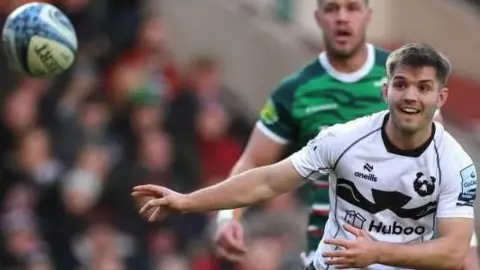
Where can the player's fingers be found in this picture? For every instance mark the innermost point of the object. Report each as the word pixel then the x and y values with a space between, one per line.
pixel 156 215
pixel 157 190
pixel 234 257
pixel 158 202
pixel 229 255
pixel 148 213
pixel 142 194
pixel 152 204
pixel 237 248
pixel 338 242
pixel 355 231
pixel 345 266
pixel 238 234
pixel 339 261
pixel 221 252
pixel 234 241
pixel 145 208
pixel 336 253
pixel 230 245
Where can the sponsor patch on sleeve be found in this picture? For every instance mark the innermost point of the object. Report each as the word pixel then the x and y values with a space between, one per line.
pixel 269 113
pixel 469 186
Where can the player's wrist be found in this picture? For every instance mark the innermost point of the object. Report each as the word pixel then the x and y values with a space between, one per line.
pixel 186 205
pixel 377 252
pixel 225 215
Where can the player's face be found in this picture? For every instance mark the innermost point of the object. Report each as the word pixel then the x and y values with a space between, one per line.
pixel 344 24
pixel 413 94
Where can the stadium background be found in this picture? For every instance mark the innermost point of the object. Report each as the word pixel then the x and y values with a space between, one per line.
pixel 165 92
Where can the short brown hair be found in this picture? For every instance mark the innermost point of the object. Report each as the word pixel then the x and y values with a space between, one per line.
pixel 366 2
pixel 419 55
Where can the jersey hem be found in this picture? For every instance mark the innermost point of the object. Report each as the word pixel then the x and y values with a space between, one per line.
pixel 270 134
pixel 456 216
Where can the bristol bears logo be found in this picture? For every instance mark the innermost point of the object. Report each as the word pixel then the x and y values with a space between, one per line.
pixel 423 186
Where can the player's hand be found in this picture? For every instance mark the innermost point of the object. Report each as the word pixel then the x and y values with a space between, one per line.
pixel 162 202
pixel 229 240
pixel 358 253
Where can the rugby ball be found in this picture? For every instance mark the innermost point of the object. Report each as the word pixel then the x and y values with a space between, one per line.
pixel 39 40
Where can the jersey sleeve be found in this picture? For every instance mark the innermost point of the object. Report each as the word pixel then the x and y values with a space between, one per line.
pixel 458 187
pixel 316 159
pixel 276 120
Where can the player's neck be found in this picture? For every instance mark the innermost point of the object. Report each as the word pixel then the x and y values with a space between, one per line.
pixel 407 141
pixel 350 64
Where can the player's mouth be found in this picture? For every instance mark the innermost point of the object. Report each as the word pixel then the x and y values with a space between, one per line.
pixel 409 110
pixel 342 35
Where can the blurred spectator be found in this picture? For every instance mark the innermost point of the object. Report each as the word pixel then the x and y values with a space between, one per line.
pixel 145 71
pixel 103 247
pixel 83 185
pixel 217 149
pixel 205 120
pixel 279 222
pixel 19 115
pixel 204 87
pixel 35 159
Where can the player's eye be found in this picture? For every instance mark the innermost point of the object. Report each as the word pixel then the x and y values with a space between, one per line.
pixel 354 7
pixel 400 85
pixel 425 88
pixel 330 8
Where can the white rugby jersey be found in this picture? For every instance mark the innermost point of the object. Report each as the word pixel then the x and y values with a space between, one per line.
pixel 392 194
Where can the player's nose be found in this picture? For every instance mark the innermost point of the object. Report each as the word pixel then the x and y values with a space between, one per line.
pixel 342 16
pixel 410 94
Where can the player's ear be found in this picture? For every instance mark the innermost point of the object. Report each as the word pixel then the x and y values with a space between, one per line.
pixel 317 16
pixel 369 15
pixel 442 97
pixel 385 91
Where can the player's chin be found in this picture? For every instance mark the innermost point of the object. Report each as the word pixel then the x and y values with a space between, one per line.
pixel 342 49
pixel 409 128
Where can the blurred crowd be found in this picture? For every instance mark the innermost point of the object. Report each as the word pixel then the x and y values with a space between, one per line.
pixel 127 113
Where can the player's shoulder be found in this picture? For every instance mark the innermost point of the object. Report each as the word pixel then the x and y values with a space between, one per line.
pixel 303 75
pixel 354 130
pixel 381 56
pixel 450 151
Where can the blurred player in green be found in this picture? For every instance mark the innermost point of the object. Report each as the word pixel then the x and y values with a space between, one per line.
pixel 341 84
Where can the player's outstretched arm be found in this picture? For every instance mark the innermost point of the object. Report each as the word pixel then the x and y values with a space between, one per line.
pixel 446 252
pixel 261 150
pixel 245 189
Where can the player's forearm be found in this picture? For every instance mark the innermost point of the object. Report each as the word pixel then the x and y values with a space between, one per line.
pixel 238 191
pixel 435 254
pixel 243 165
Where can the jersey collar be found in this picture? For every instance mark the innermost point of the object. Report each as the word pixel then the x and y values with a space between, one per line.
pixel 349 77
pixel 402 152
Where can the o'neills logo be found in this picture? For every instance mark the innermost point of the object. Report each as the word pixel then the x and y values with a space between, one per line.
pixel 370 176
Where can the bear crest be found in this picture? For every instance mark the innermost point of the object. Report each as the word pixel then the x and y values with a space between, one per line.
pixel 423 186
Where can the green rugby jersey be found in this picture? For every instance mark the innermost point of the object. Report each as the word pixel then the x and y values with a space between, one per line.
pixel 315 97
